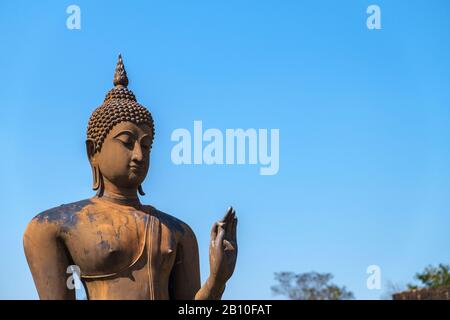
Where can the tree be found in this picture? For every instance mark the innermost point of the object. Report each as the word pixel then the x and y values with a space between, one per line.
pixel 309 286
pixel 432 277
pixel 392 288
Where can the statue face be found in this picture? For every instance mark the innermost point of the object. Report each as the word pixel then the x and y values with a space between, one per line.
pixel 125 154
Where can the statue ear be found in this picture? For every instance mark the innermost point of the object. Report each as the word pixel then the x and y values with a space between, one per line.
pixel 90 149
pixel 96 174
pixel 140 190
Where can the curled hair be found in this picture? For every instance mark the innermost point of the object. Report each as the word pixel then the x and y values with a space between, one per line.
pixel 120 105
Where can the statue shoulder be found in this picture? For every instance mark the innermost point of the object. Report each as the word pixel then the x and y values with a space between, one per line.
pixel 64 214
pixel 47 226
pixel 176 225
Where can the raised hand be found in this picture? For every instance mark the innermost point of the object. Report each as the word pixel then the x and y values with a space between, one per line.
pixel 223 248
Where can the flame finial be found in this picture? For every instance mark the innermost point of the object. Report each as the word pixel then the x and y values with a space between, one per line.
pixel 120 75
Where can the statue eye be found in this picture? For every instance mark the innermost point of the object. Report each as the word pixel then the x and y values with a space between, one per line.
pixel 126 140
pixel 145 143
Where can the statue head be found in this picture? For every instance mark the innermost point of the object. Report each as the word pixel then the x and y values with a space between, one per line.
pixel 119 139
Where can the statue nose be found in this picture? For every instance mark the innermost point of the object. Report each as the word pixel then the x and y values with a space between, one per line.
pixel 137 153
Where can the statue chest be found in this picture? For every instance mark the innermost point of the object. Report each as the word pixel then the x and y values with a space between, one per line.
pixel 107 244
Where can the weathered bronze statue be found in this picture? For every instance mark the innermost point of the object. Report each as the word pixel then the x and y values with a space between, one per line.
pixel 124 249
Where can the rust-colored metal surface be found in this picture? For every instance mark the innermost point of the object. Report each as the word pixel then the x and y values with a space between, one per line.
pixel 124 249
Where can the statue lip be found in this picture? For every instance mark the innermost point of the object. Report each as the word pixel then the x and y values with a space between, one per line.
pixel 136 166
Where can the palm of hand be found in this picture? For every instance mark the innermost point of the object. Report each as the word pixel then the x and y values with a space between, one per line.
pixel 223 247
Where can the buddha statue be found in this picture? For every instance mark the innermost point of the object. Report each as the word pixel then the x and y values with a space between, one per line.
pixel 123 248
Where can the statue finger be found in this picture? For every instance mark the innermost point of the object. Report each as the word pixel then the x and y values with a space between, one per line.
pixel 232 219
pixel 221 234
pixel 229 227
pixel 214 232
pixel 229 224
pixel 227 245
pixel 232 215
pixel 233 232
pixel 227 214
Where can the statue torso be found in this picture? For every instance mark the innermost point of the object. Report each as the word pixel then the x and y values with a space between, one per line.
pixel 122 252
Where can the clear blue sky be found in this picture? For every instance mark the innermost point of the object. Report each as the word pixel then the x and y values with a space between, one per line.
pixel 363 115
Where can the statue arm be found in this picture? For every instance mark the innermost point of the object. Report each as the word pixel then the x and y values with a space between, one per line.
pixel 185 276
pixel 48 260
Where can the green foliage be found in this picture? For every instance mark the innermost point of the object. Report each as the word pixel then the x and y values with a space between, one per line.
pixel 432 277
pixel 309 286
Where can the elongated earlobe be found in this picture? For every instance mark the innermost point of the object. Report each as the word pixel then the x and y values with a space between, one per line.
pixel 96 173
pixel 141 191
pixel 98 180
